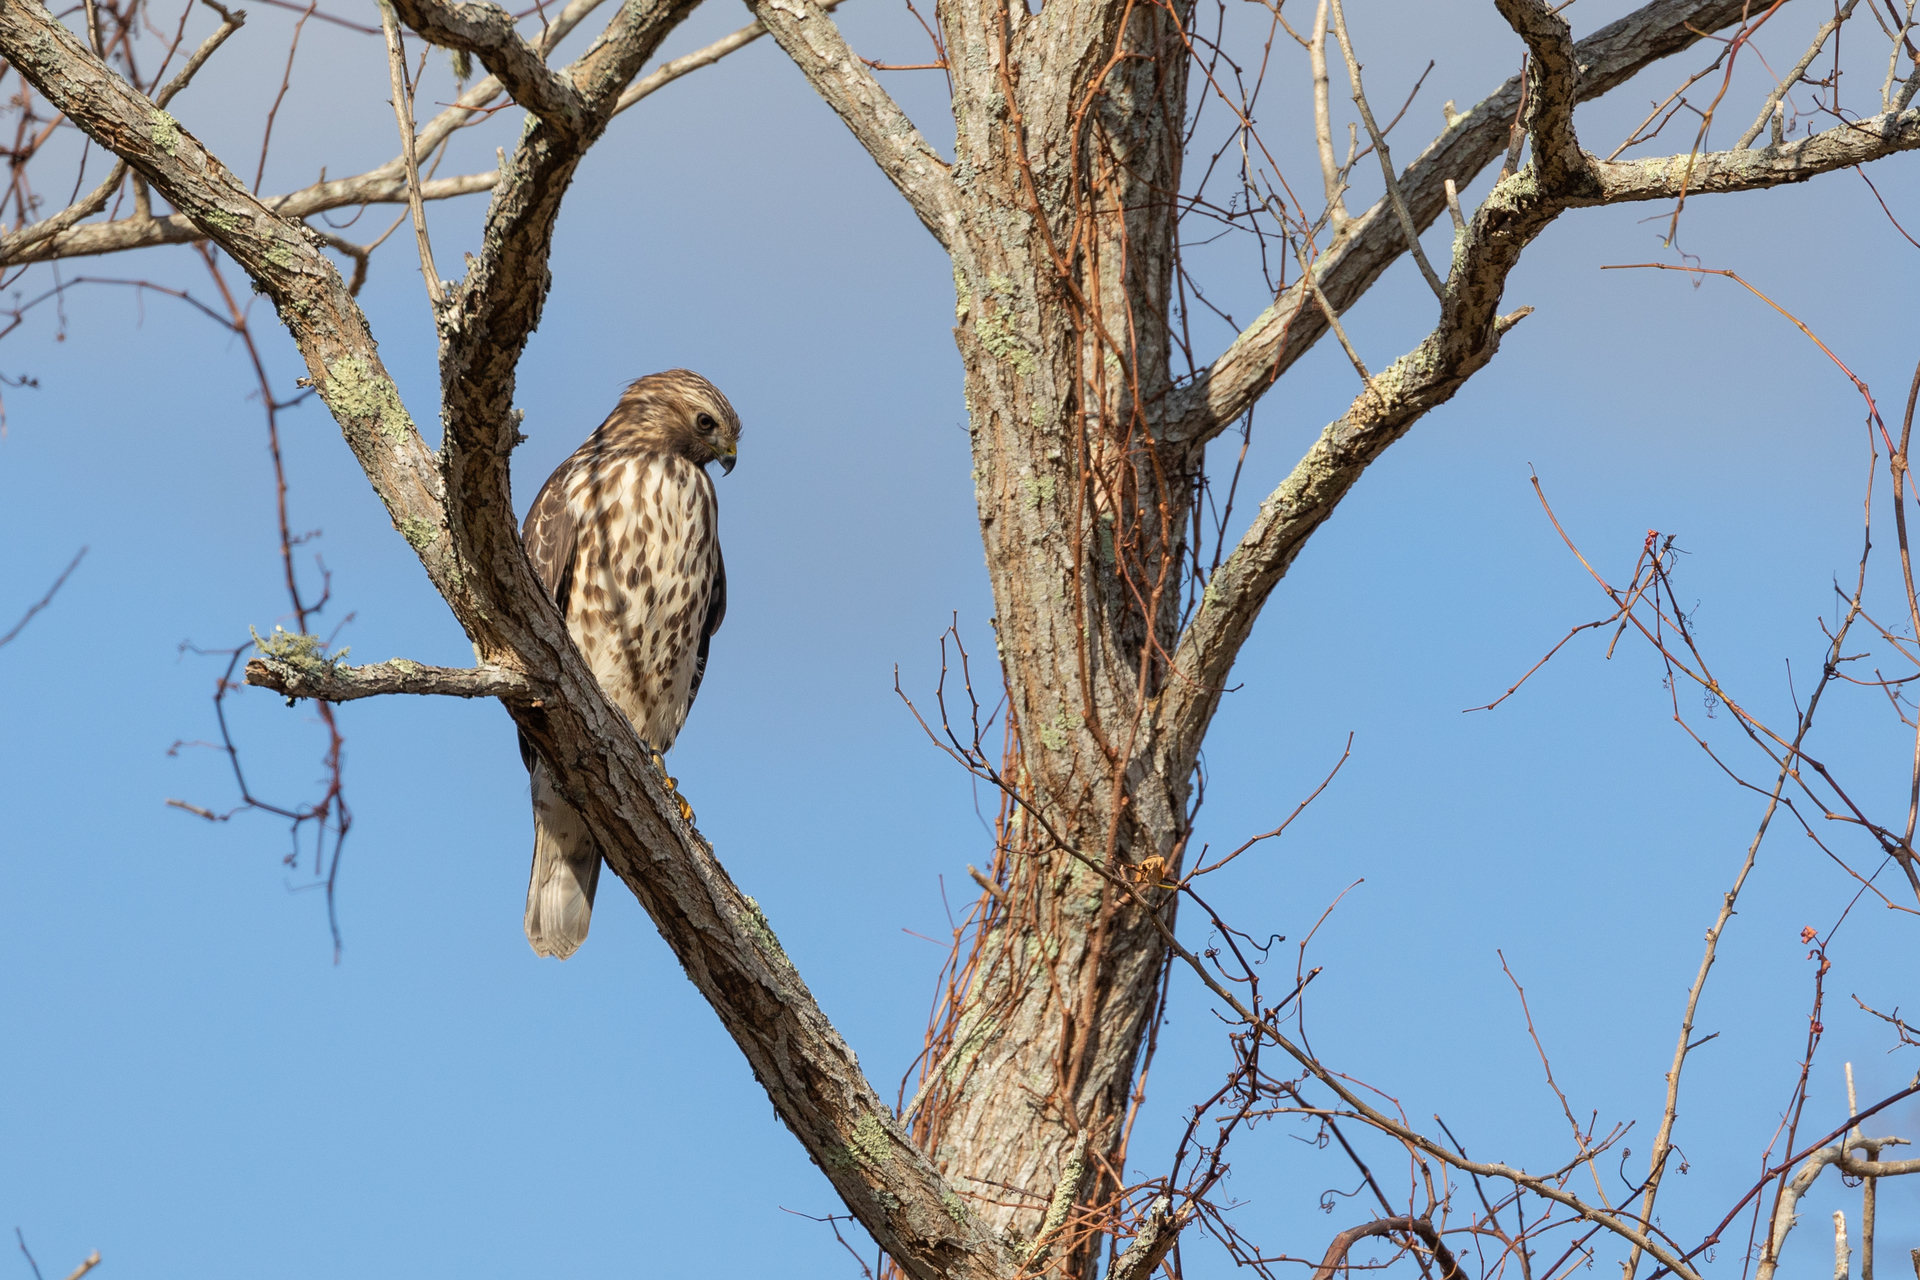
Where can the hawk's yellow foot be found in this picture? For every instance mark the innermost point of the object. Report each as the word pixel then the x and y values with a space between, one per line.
pixel 673 786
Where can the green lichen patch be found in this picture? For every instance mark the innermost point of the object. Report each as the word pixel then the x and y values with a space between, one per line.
pixel 1053 734
pixel 420 533
pixel 1039 491
pixel 354 389
pixel 972 1034
pixel 955 1208
pixel 166 131
pixel 305 653
pixel 403 666
pixel 997 333
pixel 1065 1192
pixel 754 921
pixel 870 1144
pixel 221 220
pixel 962 295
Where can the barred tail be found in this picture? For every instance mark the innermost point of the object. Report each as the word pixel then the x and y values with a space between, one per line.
pixel 566 870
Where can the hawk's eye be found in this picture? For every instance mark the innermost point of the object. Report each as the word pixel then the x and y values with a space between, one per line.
pixel 706 423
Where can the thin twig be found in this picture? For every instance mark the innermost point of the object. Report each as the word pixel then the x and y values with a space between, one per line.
pixel 44 600
pixel 403 113
pixel 1386 158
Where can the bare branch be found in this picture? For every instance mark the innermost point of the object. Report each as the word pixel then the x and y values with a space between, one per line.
pixel 1854 143
pixel 12 247
pixel 1796 1187
pixel 1330 177
pixel 1466 338
pixel 667 73
pixel 1386 157
pixel 1150 1243
pixel 810 38
pixel 403 115
pixel 231 20
pixel 44 600
pixel 1422 1227
pixel 144 232
pixel 337 682
pixel 1268 347
pixel 1792 77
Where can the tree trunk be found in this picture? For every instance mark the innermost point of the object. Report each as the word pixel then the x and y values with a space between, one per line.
pixel 1067 165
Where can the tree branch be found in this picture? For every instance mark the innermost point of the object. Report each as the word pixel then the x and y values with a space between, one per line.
pixel 1379 139
pixel 141 233
pixel 337 682
pixel 1553 71
pixel 665 74
pixel 1422 1227
pixel 1466 338
pixel 14 246
pixel 1720 172
pixel 487 32
pixel 403 117
pixel 1285 331
pixel 803 29
pixel 1797 1186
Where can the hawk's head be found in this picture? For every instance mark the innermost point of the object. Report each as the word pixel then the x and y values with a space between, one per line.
pixel 680 412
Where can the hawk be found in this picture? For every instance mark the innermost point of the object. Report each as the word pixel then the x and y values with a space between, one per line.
pixel 625 536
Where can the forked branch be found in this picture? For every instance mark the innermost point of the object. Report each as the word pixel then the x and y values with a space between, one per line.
pixel 487 32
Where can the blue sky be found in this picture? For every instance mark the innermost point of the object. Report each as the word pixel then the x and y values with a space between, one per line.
pixel 195 1088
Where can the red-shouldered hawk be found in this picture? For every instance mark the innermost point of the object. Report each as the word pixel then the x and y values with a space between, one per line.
pixel 626 536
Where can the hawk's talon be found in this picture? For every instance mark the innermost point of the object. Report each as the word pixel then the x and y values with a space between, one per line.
pixel 673 787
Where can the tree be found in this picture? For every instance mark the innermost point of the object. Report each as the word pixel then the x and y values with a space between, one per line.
pixel 1118 621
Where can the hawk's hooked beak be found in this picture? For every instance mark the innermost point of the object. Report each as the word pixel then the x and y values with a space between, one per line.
pixel 726 461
